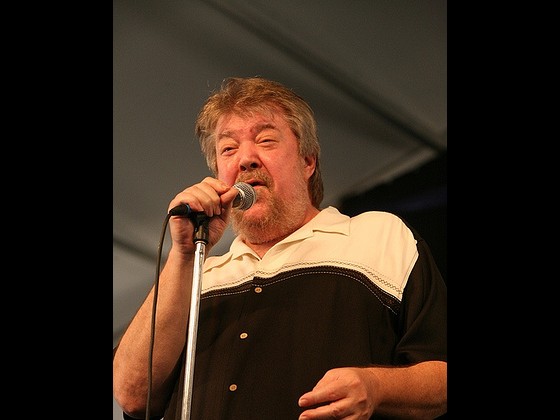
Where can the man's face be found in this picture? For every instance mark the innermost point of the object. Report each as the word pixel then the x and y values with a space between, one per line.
pixel 262 150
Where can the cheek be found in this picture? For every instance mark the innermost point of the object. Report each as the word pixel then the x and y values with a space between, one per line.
pixel 227 172
pixel 289 165
pixel 302 169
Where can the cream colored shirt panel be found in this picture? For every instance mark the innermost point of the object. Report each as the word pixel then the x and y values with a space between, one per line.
pixel 376 244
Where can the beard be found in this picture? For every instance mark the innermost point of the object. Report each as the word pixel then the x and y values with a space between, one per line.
pixel 276 218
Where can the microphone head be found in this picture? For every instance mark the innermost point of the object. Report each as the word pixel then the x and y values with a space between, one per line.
pixel 246 197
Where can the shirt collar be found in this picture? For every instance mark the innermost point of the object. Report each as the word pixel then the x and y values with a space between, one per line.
pixel 328 220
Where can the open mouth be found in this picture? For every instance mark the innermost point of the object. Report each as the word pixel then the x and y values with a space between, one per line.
pixel 255 183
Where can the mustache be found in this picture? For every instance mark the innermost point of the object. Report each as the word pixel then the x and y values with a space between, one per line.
pixel 255 177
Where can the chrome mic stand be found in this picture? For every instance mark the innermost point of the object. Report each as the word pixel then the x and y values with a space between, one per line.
pixel 201 240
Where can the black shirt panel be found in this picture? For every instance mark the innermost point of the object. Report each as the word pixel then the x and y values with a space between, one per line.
pixel 298 325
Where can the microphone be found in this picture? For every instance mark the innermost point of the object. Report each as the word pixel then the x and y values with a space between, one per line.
pixel 244 199
pixel 246 196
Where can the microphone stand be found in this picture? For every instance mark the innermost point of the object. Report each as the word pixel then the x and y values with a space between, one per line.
pixel 201 240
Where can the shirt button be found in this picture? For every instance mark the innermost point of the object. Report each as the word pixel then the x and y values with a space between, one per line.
pixel 243 335
pixel 233 387
pixel 258 289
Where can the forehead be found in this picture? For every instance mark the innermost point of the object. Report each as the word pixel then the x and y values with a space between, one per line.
pixel 254 122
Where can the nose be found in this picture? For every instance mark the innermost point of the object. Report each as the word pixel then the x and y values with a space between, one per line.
pixel 249 159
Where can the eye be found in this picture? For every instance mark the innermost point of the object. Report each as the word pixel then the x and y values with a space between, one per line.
pixel 226 150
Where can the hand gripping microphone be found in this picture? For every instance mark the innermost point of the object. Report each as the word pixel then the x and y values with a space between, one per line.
pixel 245 198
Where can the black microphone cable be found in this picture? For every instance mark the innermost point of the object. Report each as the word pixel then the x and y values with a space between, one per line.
pixel 153 321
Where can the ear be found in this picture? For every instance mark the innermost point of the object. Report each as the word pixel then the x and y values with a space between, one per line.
pixel 310 164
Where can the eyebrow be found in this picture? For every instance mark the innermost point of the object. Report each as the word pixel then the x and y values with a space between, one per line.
pixel 256 129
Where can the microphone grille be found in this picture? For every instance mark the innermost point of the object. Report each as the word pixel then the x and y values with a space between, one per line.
pixel 246 197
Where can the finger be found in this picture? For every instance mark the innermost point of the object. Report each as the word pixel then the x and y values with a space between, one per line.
pixel 197 200
pixel 324 392
pixel 202 197
pixel 228 197
pixel 335 410
pixel 315 398
pixel 224 193
pixel 208 198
